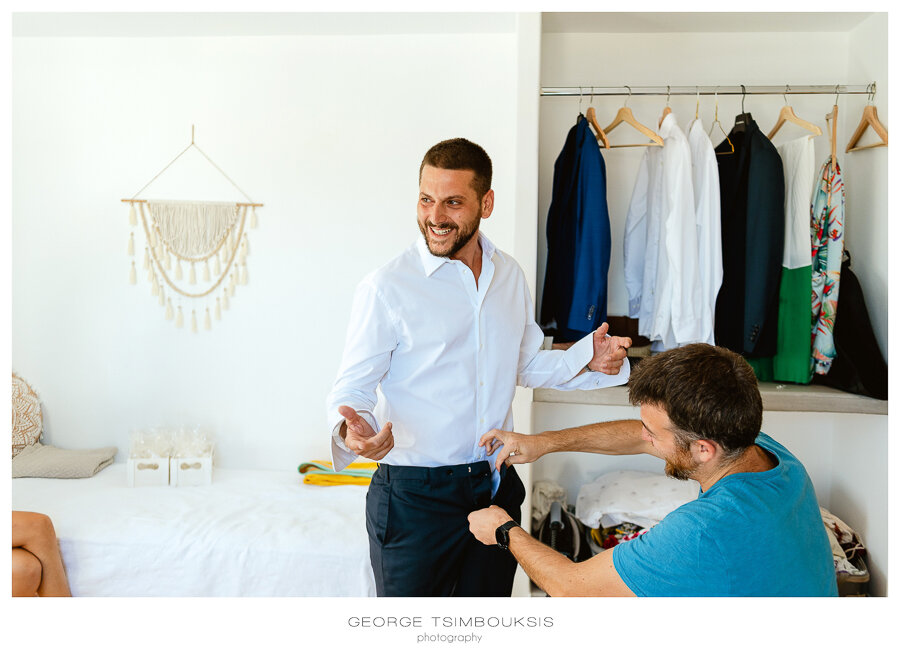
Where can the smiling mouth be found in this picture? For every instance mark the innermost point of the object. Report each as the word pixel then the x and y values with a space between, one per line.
pixel 439 232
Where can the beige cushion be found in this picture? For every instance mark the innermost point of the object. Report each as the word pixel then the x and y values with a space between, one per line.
pixel 27 421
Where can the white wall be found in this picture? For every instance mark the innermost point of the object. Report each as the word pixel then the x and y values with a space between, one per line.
pixel 326 131
pixel 866 179
pixel 844 454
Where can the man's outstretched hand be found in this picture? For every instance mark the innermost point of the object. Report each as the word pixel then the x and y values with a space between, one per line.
pixel 609 352
pixel 517 448
pixel 361 438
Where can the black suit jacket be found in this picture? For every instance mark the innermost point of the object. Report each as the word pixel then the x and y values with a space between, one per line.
pixel 751 185
pixel 858 366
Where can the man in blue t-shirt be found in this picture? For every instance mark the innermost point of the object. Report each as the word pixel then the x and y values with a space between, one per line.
pixel 755 529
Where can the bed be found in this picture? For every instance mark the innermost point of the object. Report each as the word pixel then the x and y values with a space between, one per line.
pixel 249 533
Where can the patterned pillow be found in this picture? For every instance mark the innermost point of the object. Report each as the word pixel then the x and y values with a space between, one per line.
pixel 27 421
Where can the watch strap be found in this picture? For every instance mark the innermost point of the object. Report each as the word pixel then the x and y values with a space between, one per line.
pixel 502 534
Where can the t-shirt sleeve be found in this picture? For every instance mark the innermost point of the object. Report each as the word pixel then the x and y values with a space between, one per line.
pixel 673 558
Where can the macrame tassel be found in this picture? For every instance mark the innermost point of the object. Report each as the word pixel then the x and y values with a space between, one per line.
pixel 232 284
pixel 178 273
pixel 162 296
pixel 132 275
pixel 193 321
pixel 207 322
pixel 132 215
pixel 206 270
pixel 253 220
pixel 179 319
pixel 159 250
pixel 153 241
pixel 246 245
pixel 169 312
pixel 243 275
pixel 167 261
pixel 131 244
pixel 155 290
pixel 193 279
pixel 146 258
pixel 218 308
pixel 217 268
pixel 225 303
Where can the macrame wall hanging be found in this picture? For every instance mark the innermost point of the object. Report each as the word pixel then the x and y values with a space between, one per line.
pixel 195 252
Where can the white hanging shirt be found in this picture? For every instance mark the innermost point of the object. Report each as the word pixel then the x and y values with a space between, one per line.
pixel 447 356
pixel 661 270
pixel 705 175
pixel 799 162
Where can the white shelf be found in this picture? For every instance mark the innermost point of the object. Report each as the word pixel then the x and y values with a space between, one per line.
pixel 776 397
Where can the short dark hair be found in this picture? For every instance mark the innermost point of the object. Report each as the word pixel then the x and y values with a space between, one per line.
pixel 707 391
pixel 461 154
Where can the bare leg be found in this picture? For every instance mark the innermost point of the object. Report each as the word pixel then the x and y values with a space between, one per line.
pixel 26 574
pixel 33 533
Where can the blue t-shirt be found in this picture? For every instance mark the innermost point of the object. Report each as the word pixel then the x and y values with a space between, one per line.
pixel 750 534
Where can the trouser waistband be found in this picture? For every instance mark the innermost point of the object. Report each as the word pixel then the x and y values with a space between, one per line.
pixel 430 473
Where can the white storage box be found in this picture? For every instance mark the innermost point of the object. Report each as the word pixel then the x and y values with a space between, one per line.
pixel 147 471
pixel 190 471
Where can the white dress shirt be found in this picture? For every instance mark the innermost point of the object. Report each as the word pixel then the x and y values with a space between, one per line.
pixel 799 162
pixel 709 225
pixel 446 356
pixel 661 270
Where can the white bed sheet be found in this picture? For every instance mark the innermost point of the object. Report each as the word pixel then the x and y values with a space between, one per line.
pixel 249 533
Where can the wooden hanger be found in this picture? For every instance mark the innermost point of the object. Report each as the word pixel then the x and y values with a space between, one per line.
pixel 592 120
pixel 832 117
pixel 625 115
pixel 787 115
pixel 716 122
pixel 832 134
pixel 869 119
pixel 666 111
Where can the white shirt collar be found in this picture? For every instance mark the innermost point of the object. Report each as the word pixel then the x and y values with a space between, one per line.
pixel 668 124
pixel 430 262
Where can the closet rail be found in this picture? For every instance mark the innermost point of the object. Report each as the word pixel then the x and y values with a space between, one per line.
pixel 782 89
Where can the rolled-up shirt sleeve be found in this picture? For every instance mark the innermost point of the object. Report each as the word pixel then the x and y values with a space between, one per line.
pixel 371 338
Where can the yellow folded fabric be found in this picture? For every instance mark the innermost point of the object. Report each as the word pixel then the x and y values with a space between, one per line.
pixel 322 473
pixel 332 479
pixel 325 465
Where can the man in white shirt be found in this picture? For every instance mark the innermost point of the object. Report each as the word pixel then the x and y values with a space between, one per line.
pixel 446 330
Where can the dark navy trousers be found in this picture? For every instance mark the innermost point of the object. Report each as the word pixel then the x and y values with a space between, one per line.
pixel 419 539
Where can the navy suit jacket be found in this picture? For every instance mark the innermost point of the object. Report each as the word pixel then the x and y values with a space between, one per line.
pixel 578 238
pixel 751 188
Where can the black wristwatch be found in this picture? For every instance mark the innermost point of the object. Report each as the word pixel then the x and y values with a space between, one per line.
pixel 502 534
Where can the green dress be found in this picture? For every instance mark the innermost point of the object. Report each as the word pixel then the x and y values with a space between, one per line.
pixel 791 362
